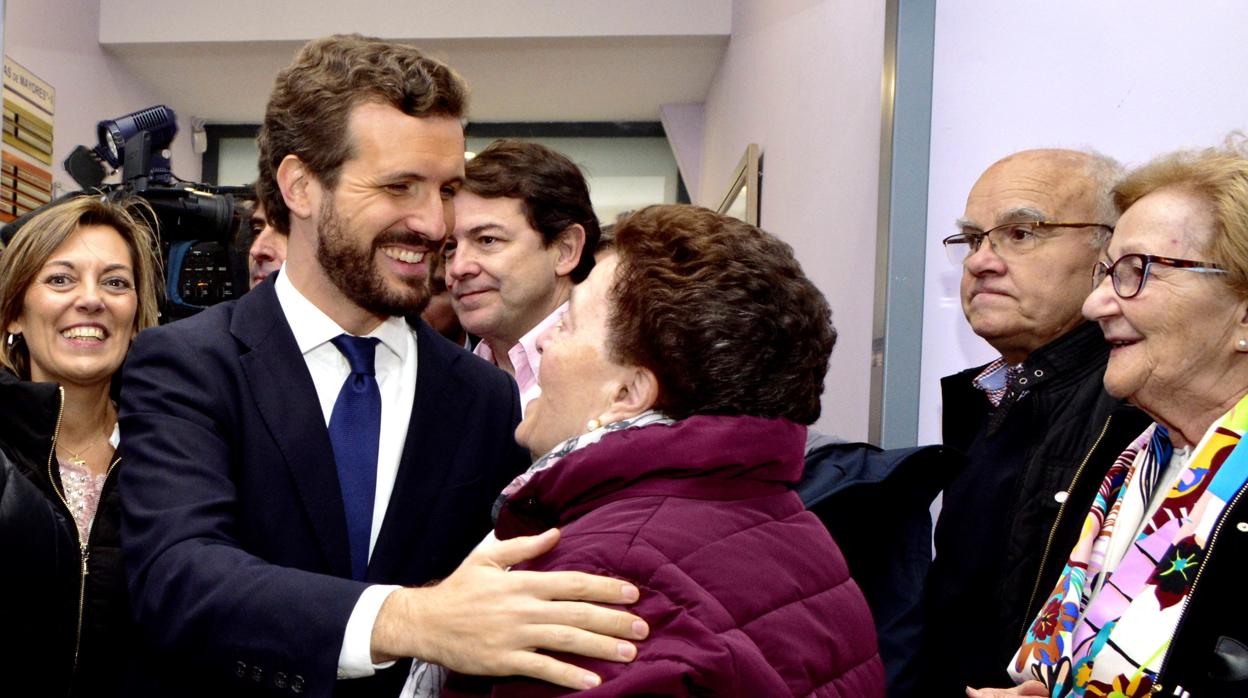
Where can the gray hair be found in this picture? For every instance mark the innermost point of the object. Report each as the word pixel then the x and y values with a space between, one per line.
pixel 1104 172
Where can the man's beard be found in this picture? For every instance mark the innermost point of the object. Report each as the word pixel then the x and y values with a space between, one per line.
pixel 353 269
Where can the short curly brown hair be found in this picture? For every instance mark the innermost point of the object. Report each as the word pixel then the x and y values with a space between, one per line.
pixel 722 314
pixel 313 97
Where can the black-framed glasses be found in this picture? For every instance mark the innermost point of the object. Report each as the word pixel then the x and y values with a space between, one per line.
pixel 1008 240
pixel 1130 271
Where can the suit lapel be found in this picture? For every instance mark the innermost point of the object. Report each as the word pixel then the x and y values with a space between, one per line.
pixel 286 399
pixel 428 453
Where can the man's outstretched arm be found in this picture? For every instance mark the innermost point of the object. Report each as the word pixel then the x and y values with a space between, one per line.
pixel 484 620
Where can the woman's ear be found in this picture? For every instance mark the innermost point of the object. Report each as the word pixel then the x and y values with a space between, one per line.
pixel 294 180
pixel 569 243
pixel 638 392
pixel 1241 343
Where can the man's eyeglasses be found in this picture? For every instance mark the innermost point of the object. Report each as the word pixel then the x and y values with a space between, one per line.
pixel 1130 271
pixel 1008 240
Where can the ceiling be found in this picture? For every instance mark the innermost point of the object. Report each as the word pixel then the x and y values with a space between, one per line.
pixel 511 79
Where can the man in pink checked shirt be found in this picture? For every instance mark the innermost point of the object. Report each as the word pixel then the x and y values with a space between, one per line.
pixel 525 233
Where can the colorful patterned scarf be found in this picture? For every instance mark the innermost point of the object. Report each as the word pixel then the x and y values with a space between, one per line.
pixel 1106 628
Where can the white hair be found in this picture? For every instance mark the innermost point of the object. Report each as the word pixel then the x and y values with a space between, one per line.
pixel 1104 172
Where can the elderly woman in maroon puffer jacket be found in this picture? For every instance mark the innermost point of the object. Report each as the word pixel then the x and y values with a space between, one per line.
pixel 674 394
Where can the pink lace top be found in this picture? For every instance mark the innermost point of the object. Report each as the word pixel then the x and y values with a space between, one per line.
pixel 82 492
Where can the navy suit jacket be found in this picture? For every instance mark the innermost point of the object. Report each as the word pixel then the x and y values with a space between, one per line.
pixel 234 535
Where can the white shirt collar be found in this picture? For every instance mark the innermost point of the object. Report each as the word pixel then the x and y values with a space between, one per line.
pixel 312 327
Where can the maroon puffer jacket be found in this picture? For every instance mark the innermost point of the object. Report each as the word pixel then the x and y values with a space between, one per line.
pixel 744 591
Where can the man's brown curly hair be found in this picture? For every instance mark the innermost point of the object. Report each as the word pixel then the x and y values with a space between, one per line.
pixel 313 97
pixel 722 314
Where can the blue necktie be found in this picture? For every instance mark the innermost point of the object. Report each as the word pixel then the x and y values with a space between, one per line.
pixel 354 430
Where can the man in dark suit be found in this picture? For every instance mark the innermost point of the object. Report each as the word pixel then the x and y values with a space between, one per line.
pixel 296 461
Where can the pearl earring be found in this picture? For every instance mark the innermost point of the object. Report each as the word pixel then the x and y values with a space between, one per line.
pixel 593 425
pixel 13 338
pixel 1242 345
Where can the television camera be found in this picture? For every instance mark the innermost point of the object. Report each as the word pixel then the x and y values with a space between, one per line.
pixel 195 223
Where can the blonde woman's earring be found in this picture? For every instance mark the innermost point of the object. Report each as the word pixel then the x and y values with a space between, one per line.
pixel 593 425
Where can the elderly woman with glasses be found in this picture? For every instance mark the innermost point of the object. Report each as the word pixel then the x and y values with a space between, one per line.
pixel 1150 601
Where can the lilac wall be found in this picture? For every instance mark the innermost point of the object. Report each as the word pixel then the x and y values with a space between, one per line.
pixel 683 124
pixel 58 40
pixel 802 79
pixel 1132 79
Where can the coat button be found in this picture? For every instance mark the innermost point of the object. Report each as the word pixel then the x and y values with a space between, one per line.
pixel 240 669
pixel 1242 526
pixel 296 684
pixel 1061 497
pixel 279 679
pixel 257 674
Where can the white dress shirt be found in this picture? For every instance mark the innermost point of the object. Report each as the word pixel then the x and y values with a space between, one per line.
pixel 395 365
pixel 526 360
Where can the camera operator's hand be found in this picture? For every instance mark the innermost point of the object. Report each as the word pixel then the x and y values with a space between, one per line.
pixel 484 620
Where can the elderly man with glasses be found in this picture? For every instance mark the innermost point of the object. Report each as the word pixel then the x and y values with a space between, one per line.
pixel 1036 424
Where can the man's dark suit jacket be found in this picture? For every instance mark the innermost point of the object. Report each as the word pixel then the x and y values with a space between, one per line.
pixel 234 535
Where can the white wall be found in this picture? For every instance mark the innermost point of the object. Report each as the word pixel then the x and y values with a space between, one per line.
pixel 683 124
pixel 802 79
pixel 1131 78
pixel 624 174
pixel 58 40
pixel 134 21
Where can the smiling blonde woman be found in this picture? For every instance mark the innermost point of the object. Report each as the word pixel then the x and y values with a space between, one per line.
pixel 77 283
pixel 1151 599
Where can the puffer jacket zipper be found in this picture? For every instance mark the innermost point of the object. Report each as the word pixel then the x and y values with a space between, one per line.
pixel 84 551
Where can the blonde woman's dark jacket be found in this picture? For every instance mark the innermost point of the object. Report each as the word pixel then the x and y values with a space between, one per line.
pixel 66 620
